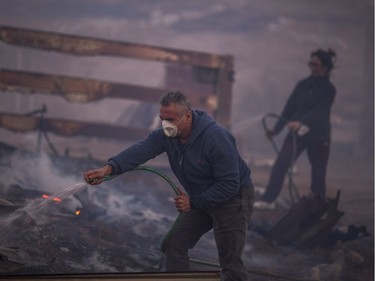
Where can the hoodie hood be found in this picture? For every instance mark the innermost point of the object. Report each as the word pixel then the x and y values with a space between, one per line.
pixel 201 121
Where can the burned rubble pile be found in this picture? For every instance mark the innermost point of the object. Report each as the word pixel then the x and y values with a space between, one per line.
pixel 119 225
pixel 306 242
pixel 311 222
pixel 116 228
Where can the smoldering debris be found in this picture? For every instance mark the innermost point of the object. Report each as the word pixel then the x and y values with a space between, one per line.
pixel 121 223
pixel 66 241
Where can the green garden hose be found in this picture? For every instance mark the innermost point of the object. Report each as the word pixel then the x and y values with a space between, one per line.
pixel 293 192
pixel 152 170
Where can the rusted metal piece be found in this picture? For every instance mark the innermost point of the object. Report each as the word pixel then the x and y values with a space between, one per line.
pixel 22 123
pixel 80 90
pixel 87 46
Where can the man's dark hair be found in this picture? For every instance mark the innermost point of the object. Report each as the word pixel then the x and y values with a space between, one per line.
pixel 176 98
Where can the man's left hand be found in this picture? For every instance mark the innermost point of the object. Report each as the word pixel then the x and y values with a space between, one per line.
pixel 182 202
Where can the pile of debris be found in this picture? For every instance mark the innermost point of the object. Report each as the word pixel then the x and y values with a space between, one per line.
pixel 119 228
pixel 306 235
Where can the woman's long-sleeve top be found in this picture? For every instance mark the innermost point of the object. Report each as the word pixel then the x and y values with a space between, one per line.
pixel 310 103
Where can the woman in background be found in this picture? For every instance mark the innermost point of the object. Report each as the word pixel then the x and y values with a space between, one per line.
pixel 307 116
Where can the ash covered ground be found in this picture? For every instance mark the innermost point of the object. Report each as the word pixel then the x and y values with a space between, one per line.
pixel 123 221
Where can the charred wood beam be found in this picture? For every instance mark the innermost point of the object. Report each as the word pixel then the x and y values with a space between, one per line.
pixel 221 65
pixel 308 223
pixel 75 89
pixel 223 90
pixel 68 128
pixel 87 46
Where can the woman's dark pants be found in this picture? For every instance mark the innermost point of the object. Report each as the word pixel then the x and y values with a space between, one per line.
pixel 318 154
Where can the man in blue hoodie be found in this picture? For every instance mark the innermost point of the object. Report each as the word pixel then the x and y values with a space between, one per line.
pixel 218 191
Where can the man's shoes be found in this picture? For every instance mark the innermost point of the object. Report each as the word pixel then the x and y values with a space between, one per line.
pixel 263 205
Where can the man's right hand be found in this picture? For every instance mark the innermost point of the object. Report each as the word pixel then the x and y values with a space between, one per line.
pixel 96 176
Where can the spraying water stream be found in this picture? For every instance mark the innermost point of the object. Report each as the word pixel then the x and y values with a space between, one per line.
pixel 33 211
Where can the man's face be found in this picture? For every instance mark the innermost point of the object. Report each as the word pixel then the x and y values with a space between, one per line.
pixel 316 67
pixel 176 115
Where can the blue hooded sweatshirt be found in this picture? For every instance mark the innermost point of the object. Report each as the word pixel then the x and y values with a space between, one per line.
pixel 208 166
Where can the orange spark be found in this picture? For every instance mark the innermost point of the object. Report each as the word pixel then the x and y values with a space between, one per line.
pixel 56 199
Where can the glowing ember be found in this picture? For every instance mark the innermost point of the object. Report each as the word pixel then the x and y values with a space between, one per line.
pixel 56 199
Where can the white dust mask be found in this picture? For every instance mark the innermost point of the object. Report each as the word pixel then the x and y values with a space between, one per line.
pixel 170 130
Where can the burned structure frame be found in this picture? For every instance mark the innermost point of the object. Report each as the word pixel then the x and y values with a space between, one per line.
pixel 214 69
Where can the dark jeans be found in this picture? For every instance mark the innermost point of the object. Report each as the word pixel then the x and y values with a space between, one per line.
pixel 318 154
pixel 229 222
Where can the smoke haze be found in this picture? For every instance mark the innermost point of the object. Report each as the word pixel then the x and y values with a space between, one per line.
pixel 271 42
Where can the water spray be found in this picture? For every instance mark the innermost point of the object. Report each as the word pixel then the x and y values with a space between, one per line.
pixel 33 209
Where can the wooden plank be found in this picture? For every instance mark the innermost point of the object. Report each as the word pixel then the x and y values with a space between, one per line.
pixel 87 46
pixel 81 90
pixel 223 90
pixel 70 128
